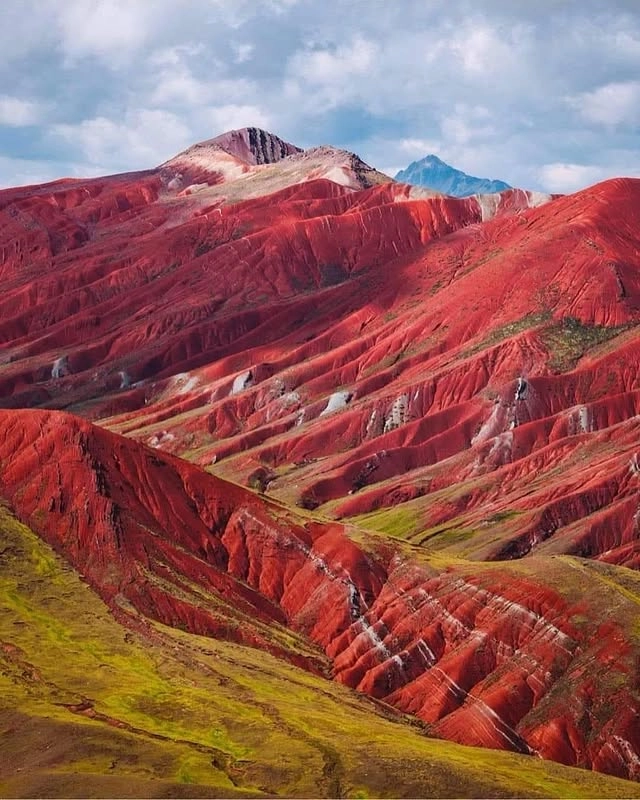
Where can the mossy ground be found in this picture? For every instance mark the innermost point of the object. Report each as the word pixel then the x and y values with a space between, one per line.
pixel 570 339
pixel 511 329
pixel 89 708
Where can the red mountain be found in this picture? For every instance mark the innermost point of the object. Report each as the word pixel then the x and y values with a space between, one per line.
pixel 456 375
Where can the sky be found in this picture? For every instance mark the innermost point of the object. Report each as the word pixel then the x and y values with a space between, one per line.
pixel 544 94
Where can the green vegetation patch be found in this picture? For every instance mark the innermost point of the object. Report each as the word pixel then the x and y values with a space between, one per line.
pixel 402 521
pixel 504 332
pixel 569 340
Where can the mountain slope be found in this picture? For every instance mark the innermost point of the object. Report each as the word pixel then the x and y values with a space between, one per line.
pixel 347 390
pixel 251 162
pixel 490 657
pixel 419 416
pixel 435 174
pixel 91 709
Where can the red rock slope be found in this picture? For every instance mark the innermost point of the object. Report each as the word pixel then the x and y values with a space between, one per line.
pixel 460 375
pixel 512 657
pixel 413 356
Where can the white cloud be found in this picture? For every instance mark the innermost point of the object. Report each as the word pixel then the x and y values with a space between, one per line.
pixel 179 87
pixel 175 56
pixel 333 66
pixel 30 172
pixel 281 6
pixel 148 137
pixel 466 123
pixel 626 45
pixel 229 117
pixel 476 49
pixel 485 49
pixel 522 92
pixel 111 30
pixel 236 13
pixel 143 139
pixel 16 112
pixel 25 172
pixel 243 52
pixel 612 104
pixel 566 178
pixel 325 78
pixel 172 83
pixel 391 171
pixel 418 148
pixel 232 13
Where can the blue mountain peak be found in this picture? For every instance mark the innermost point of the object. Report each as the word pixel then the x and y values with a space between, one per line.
pixel 435 174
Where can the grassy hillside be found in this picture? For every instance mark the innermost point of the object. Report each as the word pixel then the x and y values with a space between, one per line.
pixel 89 708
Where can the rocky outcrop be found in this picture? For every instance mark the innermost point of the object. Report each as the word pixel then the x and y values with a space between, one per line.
pixel 253 146
pixel 227 157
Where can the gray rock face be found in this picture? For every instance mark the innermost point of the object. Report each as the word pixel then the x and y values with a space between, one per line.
pixel 433 173
pixel 254 146
pixel 60 368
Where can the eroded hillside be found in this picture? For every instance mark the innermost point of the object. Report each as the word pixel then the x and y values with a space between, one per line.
pixel 419 416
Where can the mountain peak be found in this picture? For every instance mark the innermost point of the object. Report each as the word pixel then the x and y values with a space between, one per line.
pixel 434 173
pixel 254 145
pixel 250 145
pixel 431 159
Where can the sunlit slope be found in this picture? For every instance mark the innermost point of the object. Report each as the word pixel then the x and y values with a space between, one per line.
pixel 455 361
pixel 538 656
pixel 460 376
pixel 91 709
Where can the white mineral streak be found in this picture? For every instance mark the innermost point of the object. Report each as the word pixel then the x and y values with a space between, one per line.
pixel 336 402
pixel 537 199
pixel 488 205
pixel 242 382
pixel 182 382
pixel 580 421
pixel 490 716
pixel 398 415
pixel 60 368
pixel 491 426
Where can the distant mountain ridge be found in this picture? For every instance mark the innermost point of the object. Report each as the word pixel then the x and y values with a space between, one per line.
pixel 434 173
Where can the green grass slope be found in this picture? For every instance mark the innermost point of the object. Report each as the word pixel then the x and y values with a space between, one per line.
pixel 89 708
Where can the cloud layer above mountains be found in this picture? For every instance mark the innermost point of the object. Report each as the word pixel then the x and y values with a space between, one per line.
pixel 543 95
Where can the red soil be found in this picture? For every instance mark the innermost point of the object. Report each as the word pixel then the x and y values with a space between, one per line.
pixel 492 658
pixel 359 346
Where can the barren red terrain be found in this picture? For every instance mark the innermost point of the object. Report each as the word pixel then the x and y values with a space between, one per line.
pixel 388 436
